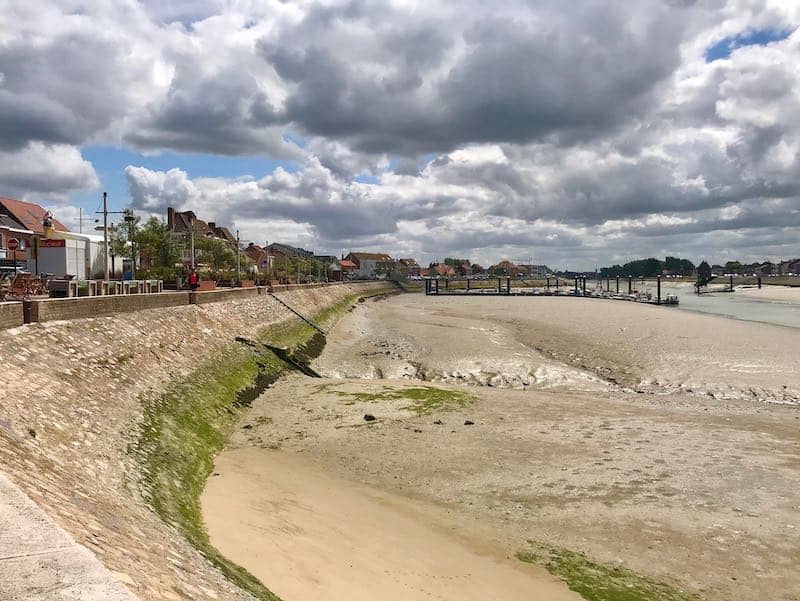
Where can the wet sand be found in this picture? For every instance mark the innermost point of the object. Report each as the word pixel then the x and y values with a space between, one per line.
pixel 665 442
pixel 311 535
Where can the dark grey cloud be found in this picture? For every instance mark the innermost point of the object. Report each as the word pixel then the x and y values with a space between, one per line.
pixel 520 74
pixel 224 112
pixel 62 90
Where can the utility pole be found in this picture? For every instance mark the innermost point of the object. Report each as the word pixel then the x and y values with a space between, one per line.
pixel 105 235
pixel 238 259
pixel 191 237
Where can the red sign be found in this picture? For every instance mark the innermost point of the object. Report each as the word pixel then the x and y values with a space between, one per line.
pixel 50 243
pixel 13 244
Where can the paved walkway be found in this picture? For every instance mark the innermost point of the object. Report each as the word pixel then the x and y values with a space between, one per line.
pixel 40 561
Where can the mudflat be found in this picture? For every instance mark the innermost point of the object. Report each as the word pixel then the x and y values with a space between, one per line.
pixel 663 442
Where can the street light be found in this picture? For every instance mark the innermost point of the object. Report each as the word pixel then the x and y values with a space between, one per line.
pixel 105 212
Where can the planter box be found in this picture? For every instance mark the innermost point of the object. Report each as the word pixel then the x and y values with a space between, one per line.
pixel 247 283
pixel 206 285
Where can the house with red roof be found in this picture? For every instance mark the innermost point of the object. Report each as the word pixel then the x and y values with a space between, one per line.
pixel 23 221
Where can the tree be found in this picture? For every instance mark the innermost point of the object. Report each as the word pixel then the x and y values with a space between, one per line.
pixel 703 273
pixel 679 266
pixel 156 245
pixel 118 246
pixel 648 268
pixel 215 253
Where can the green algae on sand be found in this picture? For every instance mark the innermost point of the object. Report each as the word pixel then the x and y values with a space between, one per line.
pixel 425 400
pixel 598 582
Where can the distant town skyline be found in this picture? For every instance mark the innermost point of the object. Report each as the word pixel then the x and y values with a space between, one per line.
pixel 573 135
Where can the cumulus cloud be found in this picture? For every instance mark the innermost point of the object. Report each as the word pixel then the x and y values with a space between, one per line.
pixel 45 171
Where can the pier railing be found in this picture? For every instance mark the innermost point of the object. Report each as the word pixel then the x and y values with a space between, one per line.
pixel 550 286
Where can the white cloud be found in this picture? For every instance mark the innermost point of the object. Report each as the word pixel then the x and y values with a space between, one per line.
pixel 45 171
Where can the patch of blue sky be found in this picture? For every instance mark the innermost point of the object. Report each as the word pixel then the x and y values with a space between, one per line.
pixel 110 161
pixel 367 179
pixel 296 139
pixel 753 37
pixel 427 158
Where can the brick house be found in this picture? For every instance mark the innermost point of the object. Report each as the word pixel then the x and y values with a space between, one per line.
pixel 260 257
pixel 408 267
pixel 506 268
pixel 181 224
pixel 441 270
pixel 370 265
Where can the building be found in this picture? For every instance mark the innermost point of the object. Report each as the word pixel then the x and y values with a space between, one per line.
pixel 408 268
pixel 23 221
pixel 766 268
pixel 370 265
pixel 537 272
pixel 506 268
pixel 789 267
pixel 74 254
pixel 223 233
pixel 259 256
pixel 182 223
pixel 441 270
pixel 348 269
pixel 30 215
pixel 11 228
pixel 463 270
pixel 288 252
pixel 326 259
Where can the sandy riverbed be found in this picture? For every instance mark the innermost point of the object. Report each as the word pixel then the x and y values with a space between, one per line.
pixel 666 442
pixel 784 294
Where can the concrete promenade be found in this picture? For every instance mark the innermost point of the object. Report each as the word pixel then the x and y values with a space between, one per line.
pixel 40 561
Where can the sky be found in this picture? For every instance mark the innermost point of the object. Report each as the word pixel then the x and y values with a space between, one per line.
pixel 575 134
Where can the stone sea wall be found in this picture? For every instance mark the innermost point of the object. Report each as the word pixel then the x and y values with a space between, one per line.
pixel 72 396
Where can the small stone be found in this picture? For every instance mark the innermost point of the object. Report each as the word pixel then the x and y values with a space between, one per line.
pixel 438 422
pixel 469 423
pixel 368 417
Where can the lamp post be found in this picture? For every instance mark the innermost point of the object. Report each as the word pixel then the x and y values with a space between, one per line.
pixel 238 259
pixel 105 212
pixel 191 238
pixel 105 235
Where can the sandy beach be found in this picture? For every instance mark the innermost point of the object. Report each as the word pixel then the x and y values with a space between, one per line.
pixel 660 441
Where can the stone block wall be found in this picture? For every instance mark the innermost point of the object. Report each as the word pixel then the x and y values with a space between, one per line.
pixel 222 294
pixel 71 395
pixel 11 315
pixel 52 309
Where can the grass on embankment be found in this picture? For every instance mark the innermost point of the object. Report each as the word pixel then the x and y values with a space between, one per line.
pixel 597 582
pixel 184 429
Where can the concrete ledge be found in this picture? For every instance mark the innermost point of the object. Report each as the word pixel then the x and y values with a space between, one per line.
pixel 52 309
pixel 11 315
pixel 221 294
pixel 41 562
pixel 287 287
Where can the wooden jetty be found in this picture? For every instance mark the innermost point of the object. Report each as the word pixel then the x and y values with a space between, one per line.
pixel 442 287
